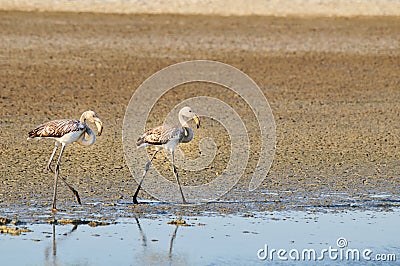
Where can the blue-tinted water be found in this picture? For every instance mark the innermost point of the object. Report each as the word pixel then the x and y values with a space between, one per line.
pixel 215 240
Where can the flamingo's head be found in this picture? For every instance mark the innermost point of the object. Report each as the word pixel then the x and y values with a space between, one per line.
pixel 189 113
pixel 91 116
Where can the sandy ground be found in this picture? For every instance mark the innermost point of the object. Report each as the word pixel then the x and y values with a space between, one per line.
pixel 332 83
pixel 342 8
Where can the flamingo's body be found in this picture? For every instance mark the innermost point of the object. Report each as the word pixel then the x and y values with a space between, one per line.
pixel 64 132
pixel 168 138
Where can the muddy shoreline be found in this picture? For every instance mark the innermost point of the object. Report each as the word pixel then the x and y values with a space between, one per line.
pixel 332 83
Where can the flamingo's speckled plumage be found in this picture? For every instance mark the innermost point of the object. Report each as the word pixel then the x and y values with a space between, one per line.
pixel 168 138
pixel 64 132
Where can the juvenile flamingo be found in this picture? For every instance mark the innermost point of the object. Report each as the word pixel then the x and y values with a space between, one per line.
pixel 64 132
pixel 168 138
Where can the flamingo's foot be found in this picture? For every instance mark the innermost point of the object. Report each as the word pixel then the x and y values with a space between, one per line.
pixel 48 168
pixel 134 200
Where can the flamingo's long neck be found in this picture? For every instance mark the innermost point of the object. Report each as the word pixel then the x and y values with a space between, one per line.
pixel 83 118
pixel 182 120
pixel 188 134
pixel 89 140
pixel 188 131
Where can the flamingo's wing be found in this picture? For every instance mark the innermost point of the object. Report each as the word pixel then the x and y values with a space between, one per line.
pixel 159 135
pixel 56 128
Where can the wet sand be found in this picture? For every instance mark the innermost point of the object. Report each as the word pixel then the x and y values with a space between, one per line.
pixel 332 83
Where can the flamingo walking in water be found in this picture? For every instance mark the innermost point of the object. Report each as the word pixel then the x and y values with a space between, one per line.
pixel 168 138
pixel 64 132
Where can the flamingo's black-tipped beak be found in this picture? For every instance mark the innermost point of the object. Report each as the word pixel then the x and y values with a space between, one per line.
pixel 99 126
pixel 197 120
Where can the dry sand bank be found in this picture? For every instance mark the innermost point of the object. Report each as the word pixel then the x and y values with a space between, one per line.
pixel 347 8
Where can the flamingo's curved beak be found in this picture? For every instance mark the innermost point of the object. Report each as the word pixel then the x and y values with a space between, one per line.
pixel 99 125
pixel 196 119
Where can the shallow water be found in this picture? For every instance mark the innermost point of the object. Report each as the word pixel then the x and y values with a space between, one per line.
pixel 211 240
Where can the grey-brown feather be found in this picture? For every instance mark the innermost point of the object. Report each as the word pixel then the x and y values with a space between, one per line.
pixel 161 135
pixel 56 128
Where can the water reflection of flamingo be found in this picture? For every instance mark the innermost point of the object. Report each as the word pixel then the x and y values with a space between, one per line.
pixel 54 243
pixel 144 239
pixel 171 242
